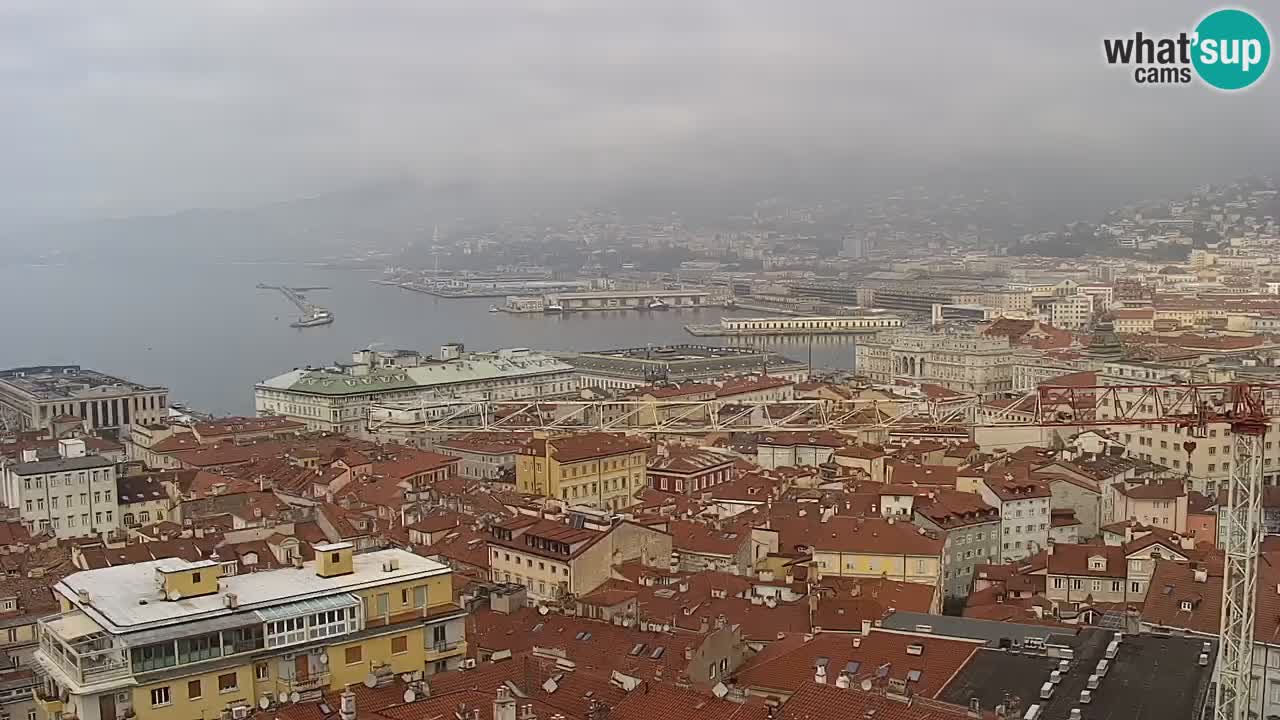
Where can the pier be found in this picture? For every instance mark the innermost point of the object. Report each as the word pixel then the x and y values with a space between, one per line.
pixel 312 315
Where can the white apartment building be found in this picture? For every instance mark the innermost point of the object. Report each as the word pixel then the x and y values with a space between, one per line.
pixel 965 363
pixel 71 496
pixel 1073 312
pixel 338 399
pixel 1024 514
pixel 1103 296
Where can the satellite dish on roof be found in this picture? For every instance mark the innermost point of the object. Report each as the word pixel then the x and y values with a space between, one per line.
pixel 294 697
pixel 410 695
pixel 324 659
pixel 370 680
pixel 264 702
pixel 174 595
pixel 407 677
pixel 866 684
pixel 283 697
pixel 542 610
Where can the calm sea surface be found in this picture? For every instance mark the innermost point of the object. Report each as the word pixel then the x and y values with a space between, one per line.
pixel 208 334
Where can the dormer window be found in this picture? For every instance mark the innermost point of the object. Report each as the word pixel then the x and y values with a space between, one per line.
pixel 1097 563
pixel 1187 606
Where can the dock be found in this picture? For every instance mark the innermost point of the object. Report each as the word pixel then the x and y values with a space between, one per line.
pixel 649 299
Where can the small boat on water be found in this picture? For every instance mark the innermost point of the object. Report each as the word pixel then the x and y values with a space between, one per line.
pixel 494 308
pixel 554 308
pixel 315 318
pixel 656 304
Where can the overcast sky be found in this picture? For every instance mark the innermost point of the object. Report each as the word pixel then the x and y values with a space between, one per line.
pixel 123 107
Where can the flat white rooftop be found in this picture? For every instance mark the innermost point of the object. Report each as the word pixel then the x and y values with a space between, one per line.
pixel 127 598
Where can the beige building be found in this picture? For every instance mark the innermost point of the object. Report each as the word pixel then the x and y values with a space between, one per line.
pixel 553 560
pixel 1134 322
pixel 601 470
pixel 33 398
pixel 877 547
pixel 144 499
pixel 1154 504
pixel 964 363
pixel 1085 575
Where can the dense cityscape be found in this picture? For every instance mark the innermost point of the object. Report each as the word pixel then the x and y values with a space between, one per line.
pixel 664 360
pixel 1016 492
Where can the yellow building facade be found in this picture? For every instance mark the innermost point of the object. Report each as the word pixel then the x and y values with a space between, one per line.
pixel 596 469
pixel 173 639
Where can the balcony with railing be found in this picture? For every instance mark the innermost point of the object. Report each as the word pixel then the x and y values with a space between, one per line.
pixel 79 653
pixel 314 680
pixel 439 650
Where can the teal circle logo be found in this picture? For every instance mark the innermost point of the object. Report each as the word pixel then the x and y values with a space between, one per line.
pixel 1232 49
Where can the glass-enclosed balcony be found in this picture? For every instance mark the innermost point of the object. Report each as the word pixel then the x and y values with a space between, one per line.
pixel 76 649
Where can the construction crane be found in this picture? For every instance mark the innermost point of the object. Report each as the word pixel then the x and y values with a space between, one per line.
pixel 1245 408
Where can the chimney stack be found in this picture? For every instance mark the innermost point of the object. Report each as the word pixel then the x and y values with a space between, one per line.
pixel 347 708
pixel 504 706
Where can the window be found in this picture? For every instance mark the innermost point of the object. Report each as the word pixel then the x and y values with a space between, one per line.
pixel 420 596
pixel 261 671
pixel 228 683
pixel 160 696
pixel 1059 583
pixel 1096 586
pixel 1077 584
pixel 200 647
pixel 399 644
pixel 1115 586
pixel 286 632
pixel 153 657
pixel 353 655
pixel 193 690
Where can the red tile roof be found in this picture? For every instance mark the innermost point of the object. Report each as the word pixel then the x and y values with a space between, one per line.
pixel 862 452
pixel 828 702
pixel 1174 583
pixel 1163 490
pixel 950 509
pixel 743 385
pixel 817 438
pixel 705 539
pixel 686 461
pixel 589 643
pixel 238 425
pixel 668 702
pixel 791 666
pixel 903 473
pixel 878 536
pixel 1072 559
pixel 585 446
pixel 673 390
